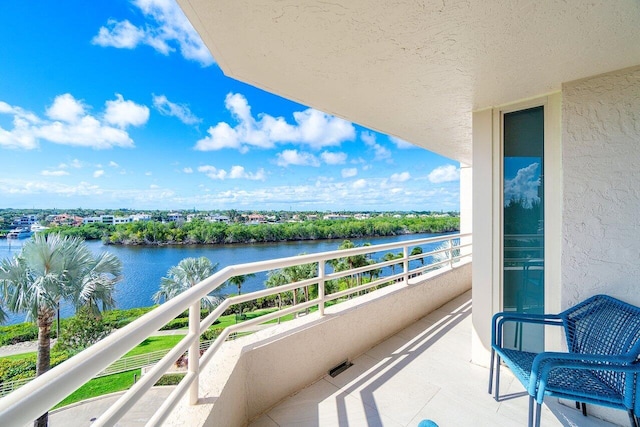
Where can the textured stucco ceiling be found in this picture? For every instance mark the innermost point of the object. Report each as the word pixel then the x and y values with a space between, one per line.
pixel 416 69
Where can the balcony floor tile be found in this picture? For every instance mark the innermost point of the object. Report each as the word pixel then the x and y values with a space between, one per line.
pixel 422 372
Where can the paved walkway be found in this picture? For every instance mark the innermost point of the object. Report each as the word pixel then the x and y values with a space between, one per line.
pixel 84 413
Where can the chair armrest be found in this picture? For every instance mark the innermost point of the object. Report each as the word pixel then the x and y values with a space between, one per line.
pixel 499 319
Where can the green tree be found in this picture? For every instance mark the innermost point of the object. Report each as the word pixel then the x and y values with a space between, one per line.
pixel 417 251
pixel 188 273
pixel 390 256
pixel 350 262
pixel 50 269
pixel 239 280
pixel 295 273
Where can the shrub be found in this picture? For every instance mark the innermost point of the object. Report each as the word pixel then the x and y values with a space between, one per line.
pixel 20 332
pixel 177 323
pixel 211 334
pixel 81 331
pixel 170 379
pixel 25 367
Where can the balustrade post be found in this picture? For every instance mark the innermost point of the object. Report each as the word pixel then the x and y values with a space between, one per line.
pixel 194 351
pixel 450 253
pixel 405 263
pixel 321 284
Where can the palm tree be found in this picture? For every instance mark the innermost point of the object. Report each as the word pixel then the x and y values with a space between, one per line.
pixel 238 281
pixel 50 269
pixel 295 273
pixel 188 273
pixel 417 251
pixel 390 256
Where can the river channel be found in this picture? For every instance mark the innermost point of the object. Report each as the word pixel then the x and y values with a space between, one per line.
pixel 144 266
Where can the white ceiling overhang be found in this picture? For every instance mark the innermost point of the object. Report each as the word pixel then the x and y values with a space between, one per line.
pixel 416 69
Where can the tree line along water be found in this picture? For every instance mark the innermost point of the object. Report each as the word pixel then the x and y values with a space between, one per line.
pixel 145 265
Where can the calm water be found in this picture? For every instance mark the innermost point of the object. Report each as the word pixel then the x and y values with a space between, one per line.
pixel 143 267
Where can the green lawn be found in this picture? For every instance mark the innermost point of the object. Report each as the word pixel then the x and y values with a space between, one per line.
pixel 161 342
pixel 123 381
pixel 101 386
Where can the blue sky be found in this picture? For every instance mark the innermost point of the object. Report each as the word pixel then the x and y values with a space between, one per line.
pixel 118 104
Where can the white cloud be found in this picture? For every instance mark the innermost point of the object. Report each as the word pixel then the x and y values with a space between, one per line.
pixel 187 170
pixel 359 184
pixel 446 173
pixel 98 173
pixel 66 108
pixel 166 30
pixel 312 128
pixel 69 124
pixel 333 158
pixel 125 113
pixel 400 177
pixel 181 111
pixel 212 172
pixel 401 143
pixel 349 172
pixel 75 163
pixel 54 173
pixel 113 164
pixel 148 173
pixel 524 186
pixel 20 187
pixel 237 172
pixel 120 34
pixel 154 186
pixel 294 157
pixel 380 152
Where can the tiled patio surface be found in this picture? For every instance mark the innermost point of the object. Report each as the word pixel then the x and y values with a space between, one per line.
pixel 423 372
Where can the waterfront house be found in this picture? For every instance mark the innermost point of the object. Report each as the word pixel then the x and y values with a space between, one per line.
pixel 538 102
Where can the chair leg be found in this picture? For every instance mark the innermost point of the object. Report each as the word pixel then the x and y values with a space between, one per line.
pixel 497 391
pixel 538 414
pixel 584 408
pixel 530 422
pixel 493 354
pixel 632 418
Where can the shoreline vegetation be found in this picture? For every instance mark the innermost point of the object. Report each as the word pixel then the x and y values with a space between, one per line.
pixel 201 232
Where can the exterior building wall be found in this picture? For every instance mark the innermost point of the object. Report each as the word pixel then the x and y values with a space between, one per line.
pixel 483 252
pixel 601 197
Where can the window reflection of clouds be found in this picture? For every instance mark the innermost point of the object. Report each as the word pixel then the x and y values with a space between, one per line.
pixel 524 186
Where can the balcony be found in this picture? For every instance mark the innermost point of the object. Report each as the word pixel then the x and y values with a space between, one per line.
pixel 404 336
pixel 422 372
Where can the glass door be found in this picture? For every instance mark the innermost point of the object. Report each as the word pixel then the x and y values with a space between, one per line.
pixel 523 222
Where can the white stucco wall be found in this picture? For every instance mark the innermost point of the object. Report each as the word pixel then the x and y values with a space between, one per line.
pixel 601 197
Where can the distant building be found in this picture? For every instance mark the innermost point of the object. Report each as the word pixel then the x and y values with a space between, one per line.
pixel 256 218
pixel 336 216
pixel 362 216
pixel 25 220
pixel 219 218
pixel 66 219
pixel 175 217
pixel 107 219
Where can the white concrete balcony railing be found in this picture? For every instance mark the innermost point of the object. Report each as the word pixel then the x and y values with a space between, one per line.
pixel 282 357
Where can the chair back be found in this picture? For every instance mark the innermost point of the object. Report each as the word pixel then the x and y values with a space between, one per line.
pixel 603 325
pixel 607 326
